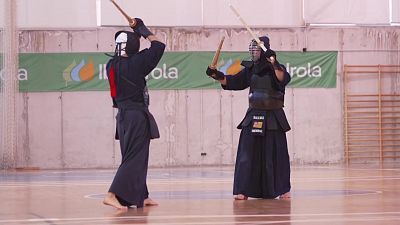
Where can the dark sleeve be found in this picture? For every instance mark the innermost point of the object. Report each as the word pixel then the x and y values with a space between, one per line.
pixel 152 56
pixel 279 113
pixel 238 81
pixel 286 79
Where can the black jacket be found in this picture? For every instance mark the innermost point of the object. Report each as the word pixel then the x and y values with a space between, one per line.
pixel 127 75
pixel 276 119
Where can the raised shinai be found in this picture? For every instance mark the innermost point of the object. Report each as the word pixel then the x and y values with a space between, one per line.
pixel 136 126
pixel 262 168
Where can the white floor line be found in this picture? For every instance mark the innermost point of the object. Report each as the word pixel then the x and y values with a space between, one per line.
pixel 190 181
pixel 330 215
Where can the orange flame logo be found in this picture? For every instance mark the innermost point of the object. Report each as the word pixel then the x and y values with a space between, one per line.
pixel 79 72
pixel 231 67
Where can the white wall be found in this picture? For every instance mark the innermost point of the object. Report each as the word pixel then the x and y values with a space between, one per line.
pixel 78 128
pixel 2 5
pixel 264 13
pixel 205 12
pixel 396 11
pixel 75 129
pixel 344 11
pixel 153 12
pixel 77 14
pixel 56 13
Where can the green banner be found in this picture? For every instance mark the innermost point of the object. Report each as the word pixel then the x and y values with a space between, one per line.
pixel 176 70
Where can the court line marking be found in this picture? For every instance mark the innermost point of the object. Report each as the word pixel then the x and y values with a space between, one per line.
pixel 81 219
pixel 187 181
pixel 307 221
pixel 339 167
pixel 177 195
pixel 58 184
pixel 260 222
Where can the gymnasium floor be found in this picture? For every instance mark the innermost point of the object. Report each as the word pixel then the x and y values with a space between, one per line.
pixel 320 195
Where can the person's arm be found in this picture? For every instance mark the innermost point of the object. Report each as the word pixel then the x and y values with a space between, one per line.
pixel 282 77
pixel 223 82
pixel 232 82
pixel 286 76
pixel 138 26
pixel 153 38
pixel 150 56
pixel 216 75
pixel 279 71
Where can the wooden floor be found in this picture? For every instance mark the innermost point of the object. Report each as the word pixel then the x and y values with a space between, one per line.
pixel 320 195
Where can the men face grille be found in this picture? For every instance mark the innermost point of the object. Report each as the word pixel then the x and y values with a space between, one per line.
pixel 254 50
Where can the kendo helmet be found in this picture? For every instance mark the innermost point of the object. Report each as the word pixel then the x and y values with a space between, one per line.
pixel 126 43
pixel 255 51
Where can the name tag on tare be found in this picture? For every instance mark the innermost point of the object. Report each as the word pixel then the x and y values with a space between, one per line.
pixel 258 125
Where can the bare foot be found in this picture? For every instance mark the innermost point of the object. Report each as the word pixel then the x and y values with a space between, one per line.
pixel 285 196
pixel 240 197
pixel 150 202
pixel 111 200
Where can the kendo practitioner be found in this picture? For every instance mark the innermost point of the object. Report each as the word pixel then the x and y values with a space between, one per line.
pixel 262 168
pixel 126 73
